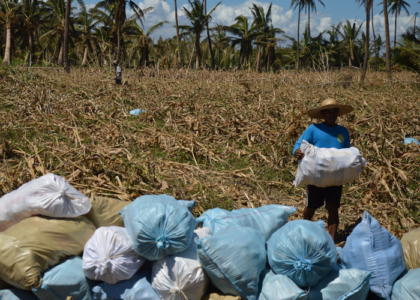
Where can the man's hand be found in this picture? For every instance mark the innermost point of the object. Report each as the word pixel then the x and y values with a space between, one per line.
pixel 299 154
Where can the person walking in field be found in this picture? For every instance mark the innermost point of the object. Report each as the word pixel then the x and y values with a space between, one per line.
pixel 325 135
pixel 118 72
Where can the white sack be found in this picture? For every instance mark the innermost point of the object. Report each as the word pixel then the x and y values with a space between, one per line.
pixel 181 277
pixel 324 167
pixel 109 256
pixel 50 195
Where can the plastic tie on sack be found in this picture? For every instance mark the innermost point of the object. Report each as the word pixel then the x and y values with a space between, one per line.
pixel 162 243
pixel 303 265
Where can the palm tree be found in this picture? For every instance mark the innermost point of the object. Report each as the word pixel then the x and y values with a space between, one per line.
pixel 395 6
pixel 300 4
pixel 349 35
pixel 213 62
pixel 198 19
pixel 333 44
pixel 117 10
pixel 87 29
pixel 177 34
pixel 243 36
pixel 9 16
pixel 368 5
pixel 387 41
pixel 136 32
pixel 311 5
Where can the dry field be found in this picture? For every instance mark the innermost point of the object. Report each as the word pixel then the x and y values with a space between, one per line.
pixel 215 137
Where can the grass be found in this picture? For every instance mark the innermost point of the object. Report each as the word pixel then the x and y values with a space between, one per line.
pixel 207 136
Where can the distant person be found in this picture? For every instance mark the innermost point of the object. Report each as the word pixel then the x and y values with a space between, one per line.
pixel 325 135
pixel 118 72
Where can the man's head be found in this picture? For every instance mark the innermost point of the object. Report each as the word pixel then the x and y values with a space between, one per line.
pixel 114 63
pixel 330 115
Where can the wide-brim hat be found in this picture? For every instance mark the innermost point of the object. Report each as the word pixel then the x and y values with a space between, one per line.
pixel 329 103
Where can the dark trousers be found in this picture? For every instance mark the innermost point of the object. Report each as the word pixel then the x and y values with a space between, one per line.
pixel 317 196
pixel 117 81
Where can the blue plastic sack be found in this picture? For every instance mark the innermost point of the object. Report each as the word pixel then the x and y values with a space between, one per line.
pixel 137 111
pixel 234 258
pixel 372 248
pixel 408 286
pixel 266 219
pixel 411 140
pixel 63 280
pixel 158 226
pixel 137 287
pixel 16 294
pixel 314 293
pixel 351 284
pixel 280 287
pixel 190 204
pixel 303 251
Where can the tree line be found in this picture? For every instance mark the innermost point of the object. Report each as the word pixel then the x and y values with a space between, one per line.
pixel 33 32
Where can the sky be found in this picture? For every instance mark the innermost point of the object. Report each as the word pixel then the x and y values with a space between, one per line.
pixel 283 17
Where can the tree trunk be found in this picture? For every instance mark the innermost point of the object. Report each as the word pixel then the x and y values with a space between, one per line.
pixel 7 56
pixel 258 59
pixel 177 35
pixel 395 31
pixel 31 43
pixel 146 54
pixel 197 51
pixel 118 41
pixel 366 61
pixel 66 36
pixel 298 50
pixel 85 56
pixel 60 56
pixel 374 41
pixel 309 24
pixel 208 37
pixel 387 42
pixel 349 62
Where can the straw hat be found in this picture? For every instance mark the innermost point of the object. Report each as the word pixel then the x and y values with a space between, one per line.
pixel 329 103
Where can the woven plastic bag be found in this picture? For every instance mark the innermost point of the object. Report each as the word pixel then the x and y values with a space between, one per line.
pixel 351 284
pixel 36 244
pixel 372 248
pixel 190 204
pixel 181 276
pixel 411 247
pixel 266 219
pixel 16 294
pixel 324 167
pixel 137 287
pixel 302 250
pixel 408 286
pixel 63 280
pixel 234 258
pixel 105 211
pixel 158 226
pixel 49 195
pixel 280 287
pixel 109 256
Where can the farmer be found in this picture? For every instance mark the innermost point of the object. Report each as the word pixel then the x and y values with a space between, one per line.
pixel 325 135
pixel 118 72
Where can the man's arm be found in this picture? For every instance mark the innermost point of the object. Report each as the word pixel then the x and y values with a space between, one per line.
pixel 346 139
pixel 305 136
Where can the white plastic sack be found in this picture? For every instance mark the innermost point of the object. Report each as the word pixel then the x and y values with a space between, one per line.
pixel 180 276
pixel 109 256
pixel 324 167
pixel 50 195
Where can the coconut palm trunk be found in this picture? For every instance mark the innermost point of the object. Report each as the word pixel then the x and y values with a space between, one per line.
pixel 213 61
pixel 30 43
pixel 7 51
pixel 60 55
pixel 374 41
pixel 85 56
pixel 395 30
pixel 366 61
pixel 177 35
pixel 197 50
pixel 309 24
pixel 258 59
pixel 387 41
pixel 298 50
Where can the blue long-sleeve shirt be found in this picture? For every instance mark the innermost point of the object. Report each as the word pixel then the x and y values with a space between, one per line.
pixel 322 136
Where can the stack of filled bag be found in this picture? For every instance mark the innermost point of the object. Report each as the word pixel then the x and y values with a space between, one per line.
pixel 56 242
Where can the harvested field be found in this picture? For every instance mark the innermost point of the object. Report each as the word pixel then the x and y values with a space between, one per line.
pixel 222 138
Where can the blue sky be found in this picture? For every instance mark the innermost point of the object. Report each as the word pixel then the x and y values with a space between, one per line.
pixel 335 11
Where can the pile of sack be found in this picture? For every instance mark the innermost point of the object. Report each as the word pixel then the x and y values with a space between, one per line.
pixel 64 244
